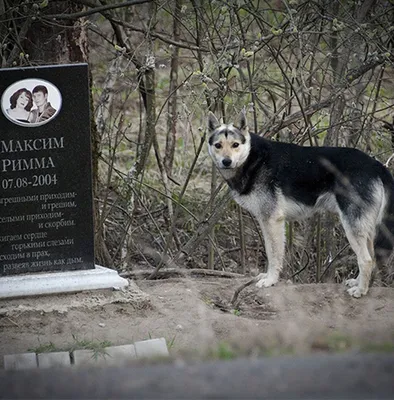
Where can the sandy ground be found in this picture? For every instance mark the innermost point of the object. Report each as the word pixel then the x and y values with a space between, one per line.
pixel 195 318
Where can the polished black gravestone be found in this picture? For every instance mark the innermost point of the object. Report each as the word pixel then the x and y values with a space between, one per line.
pixel 46 218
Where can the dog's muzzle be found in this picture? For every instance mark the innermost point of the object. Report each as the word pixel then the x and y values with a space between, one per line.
pixel 226 162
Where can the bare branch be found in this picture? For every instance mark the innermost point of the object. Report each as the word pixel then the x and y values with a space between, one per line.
pixel 165 39
pixel 270 129
pixel 371 63
pixel 95 10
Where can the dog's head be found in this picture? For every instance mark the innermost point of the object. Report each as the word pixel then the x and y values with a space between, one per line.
pixel 228 144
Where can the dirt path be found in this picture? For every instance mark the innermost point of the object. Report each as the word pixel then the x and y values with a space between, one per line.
pixel 193 315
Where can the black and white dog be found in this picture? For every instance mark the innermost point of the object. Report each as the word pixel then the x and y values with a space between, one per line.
pixel 281 181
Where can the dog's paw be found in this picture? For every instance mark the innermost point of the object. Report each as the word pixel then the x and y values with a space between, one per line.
pixel 351 282
pixel 266 281
pixel 357 292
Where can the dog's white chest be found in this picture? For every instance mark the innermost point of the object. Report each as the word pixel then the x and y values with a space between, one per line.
pixel 256 202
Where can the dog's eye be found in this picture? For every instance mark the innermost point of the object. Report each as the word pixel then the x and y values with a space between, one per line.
pixel 235 145
pixel 218 145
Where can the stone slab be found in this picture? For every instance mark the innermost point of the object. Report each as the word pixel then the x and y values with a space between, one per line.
pixel 152 348
pixel 120 354
pixel 60 282
pixel 20 361
pixel 88 357
pixel 58 359
pixel 114 355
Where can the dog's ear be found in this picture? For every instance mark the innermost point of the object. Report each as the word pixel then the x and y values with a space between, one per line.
pixel 242 124
pixel 213 122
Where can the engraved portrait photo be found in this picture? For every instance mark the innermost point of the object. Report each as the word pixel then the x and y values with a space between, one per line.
pixel 31 102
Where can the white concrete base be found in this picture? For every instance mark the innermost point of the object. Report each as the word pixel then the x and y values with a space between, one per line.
pixel 60 282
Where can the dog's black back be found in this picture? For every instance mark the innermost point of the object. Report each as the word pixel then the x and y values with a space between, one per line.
pixel 304 173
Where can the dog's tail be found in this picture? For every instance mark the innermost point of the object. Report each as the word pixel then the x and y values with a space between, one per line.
pixel 384 242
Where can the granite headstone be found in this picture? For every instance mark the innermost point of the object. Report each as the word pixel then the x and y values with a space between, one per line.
pixel 46 211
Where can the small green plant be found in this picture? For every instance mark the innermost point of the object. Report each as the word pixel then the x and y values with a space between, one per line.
pixel 339 342
pixel 44 348
pixel 171 343
pixel 237 312
pixel 97 347
pixel 223 352
pixel 385 347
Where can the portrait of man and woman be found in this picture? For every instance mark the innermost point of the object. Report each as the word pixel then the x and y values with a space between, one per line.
pixel 31 106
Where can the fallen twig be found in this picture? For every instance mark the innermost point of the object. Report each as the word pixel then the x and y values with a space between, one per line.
pixel 12 321
pixel 242 287
pixel 165 273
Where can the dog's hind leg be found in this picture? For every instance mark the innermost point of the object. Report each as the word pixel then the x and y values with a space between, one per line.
pixel 274 238
pixel 354 282
pixel 362 245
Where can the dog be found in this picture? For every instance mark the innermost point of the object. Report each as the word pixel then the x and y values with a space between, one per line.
pixel 278 181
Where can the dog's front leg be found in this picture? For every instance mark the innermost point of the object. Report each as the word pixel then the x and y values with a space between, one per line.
pixel 274 237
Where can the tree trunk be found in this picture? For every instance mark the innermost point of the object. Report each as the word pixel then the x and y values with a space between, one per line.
pixel 172 100
pixel 57 43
